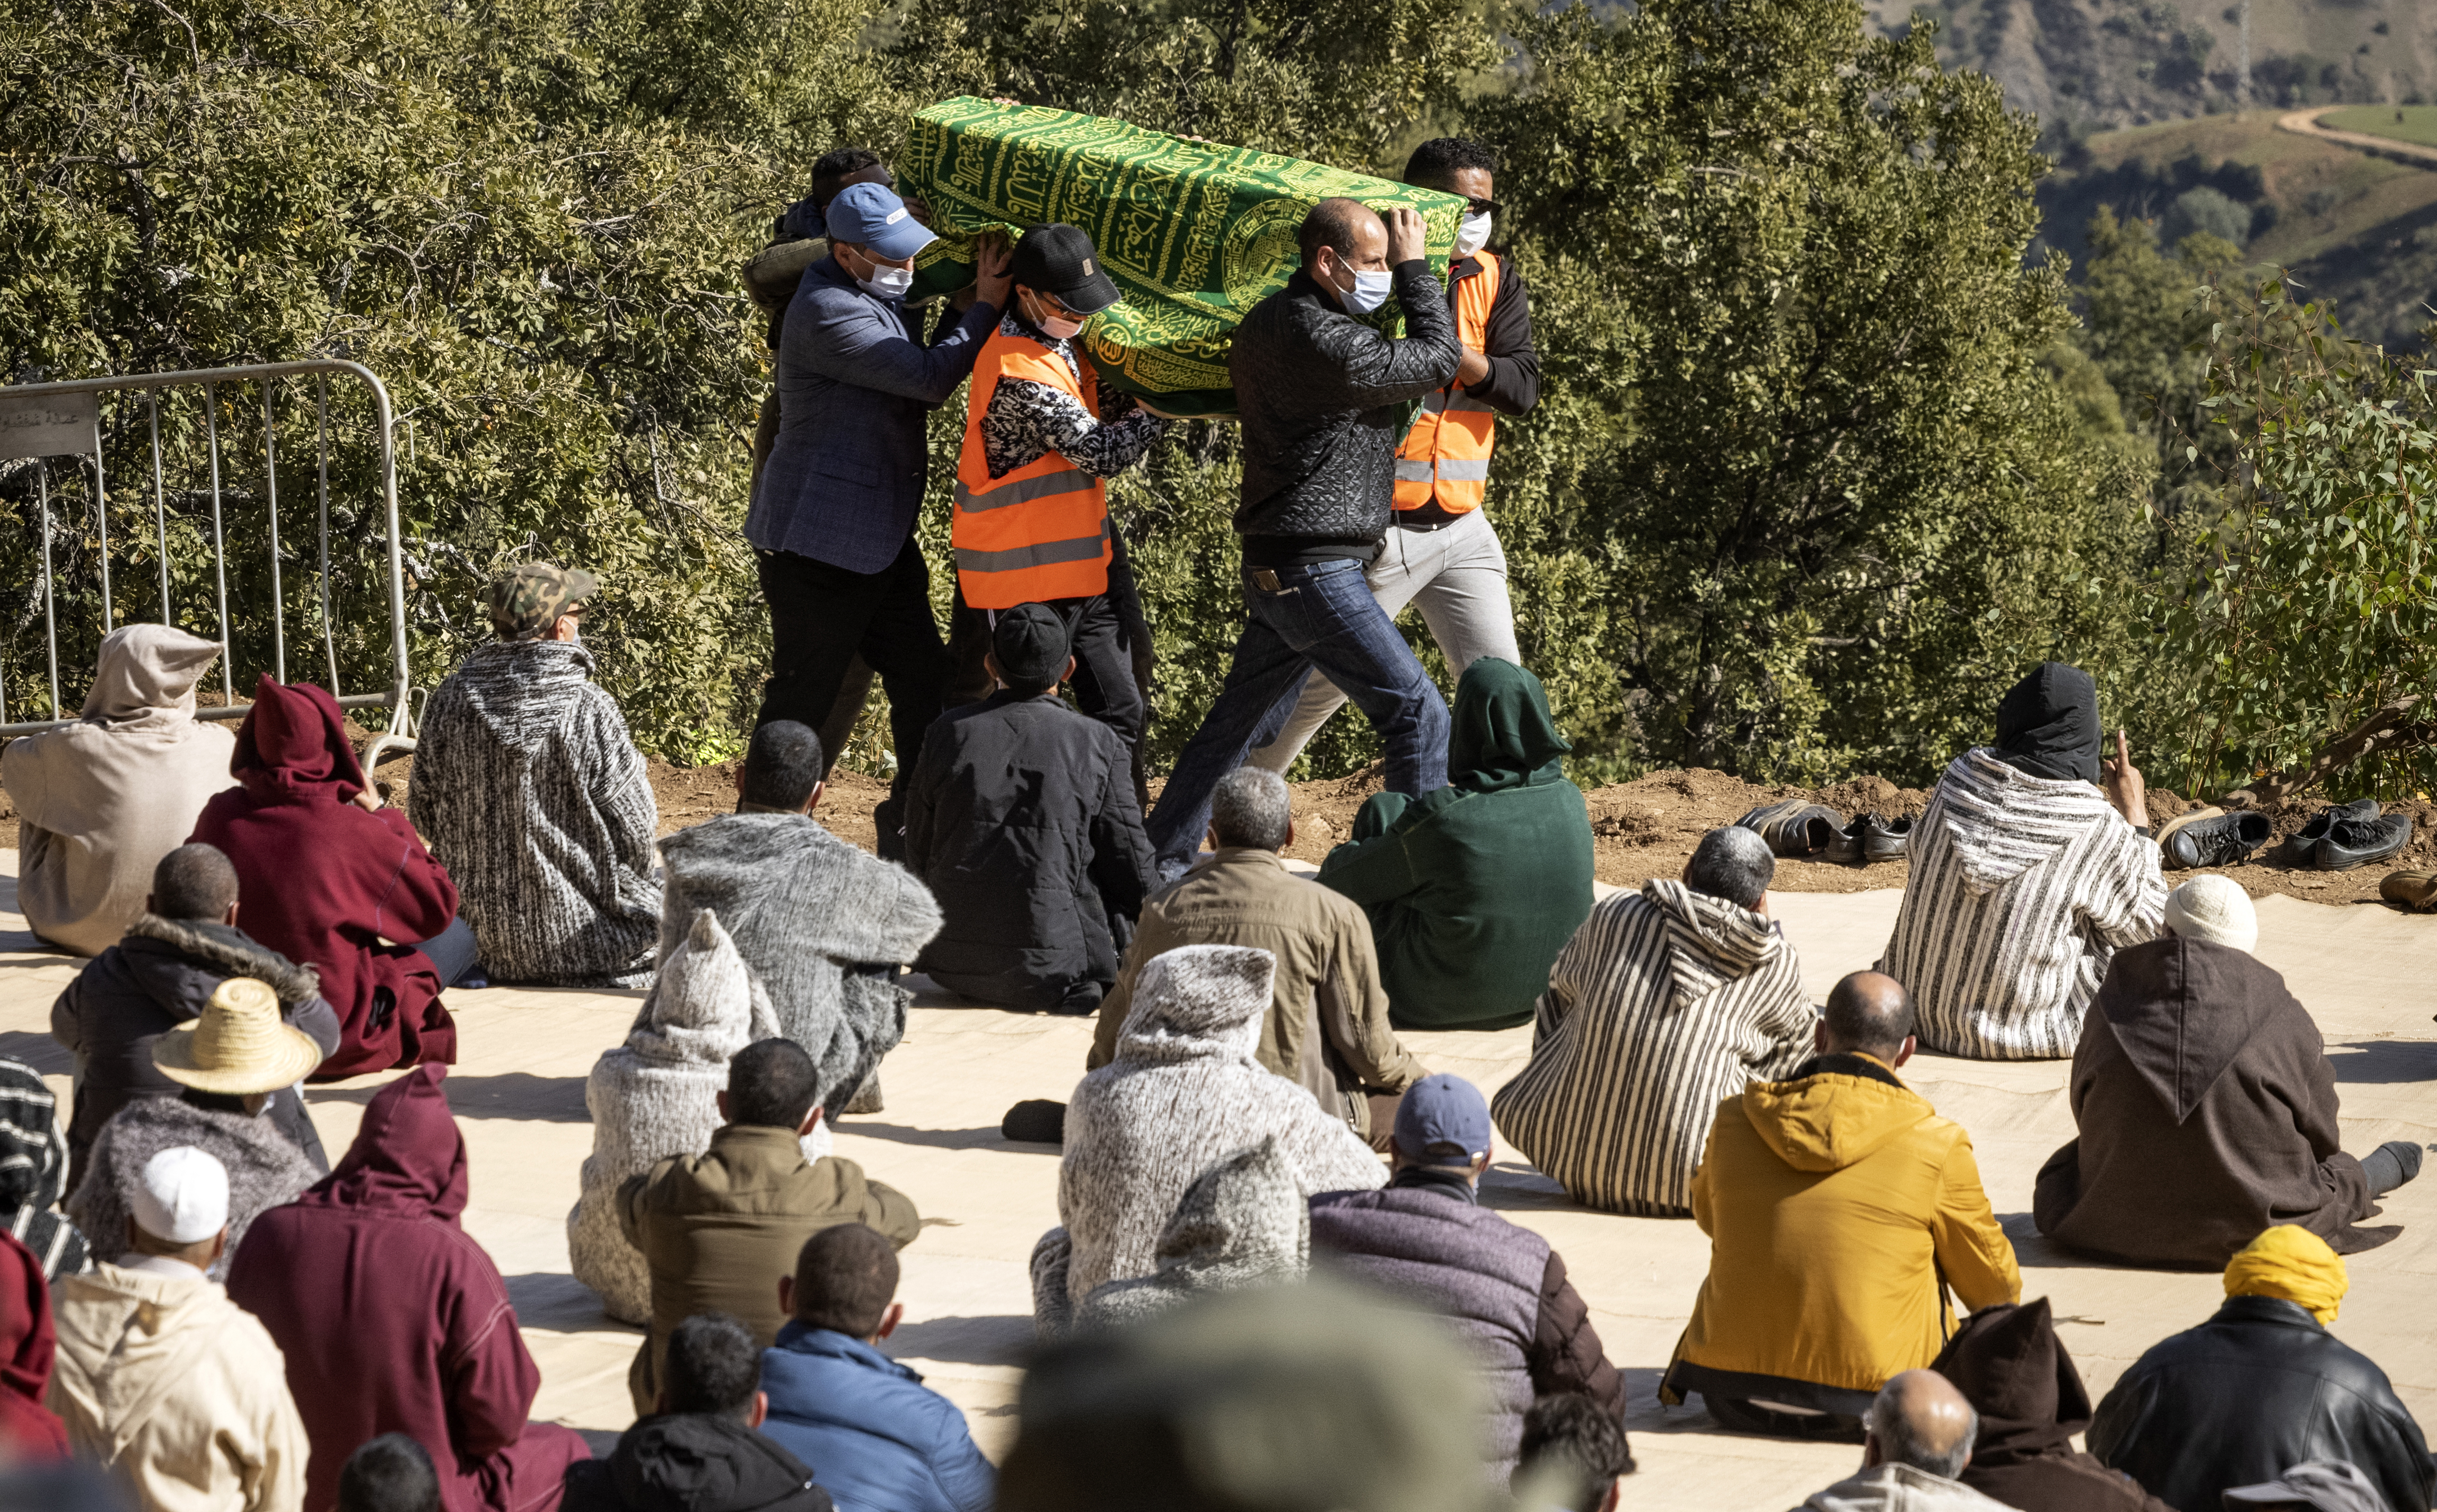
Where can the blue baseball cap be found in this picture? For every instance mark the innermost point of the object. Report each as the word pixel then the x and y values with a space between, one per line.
pixel 1443 1110
pixel 871 216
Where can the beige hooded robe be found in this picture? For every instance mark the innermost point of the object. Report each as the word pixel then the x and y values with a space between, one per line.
pixel 101 801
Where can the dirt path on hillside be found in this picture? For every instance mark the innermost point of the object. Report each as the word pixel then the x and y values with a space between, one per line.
pixel 2305 123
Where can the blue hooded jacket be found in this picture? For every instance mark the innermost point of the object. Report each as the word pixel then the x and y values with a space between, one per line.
pixel 877 1438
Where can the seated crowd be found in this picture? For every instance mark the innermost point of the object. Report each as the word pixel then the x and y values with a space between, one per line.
pixel 1224 1210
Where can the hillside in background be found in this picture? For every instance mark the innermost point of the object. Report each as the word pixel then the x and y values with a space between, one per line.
pixel 2086 66
pixel 2355 227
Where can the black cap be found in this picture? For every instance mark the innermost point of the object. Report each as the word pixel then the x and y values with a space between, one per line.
pixel 1060 259
pixel 1032 644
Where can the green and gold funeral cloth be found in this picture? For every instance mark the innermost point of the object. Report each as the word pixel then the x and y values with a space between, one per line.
pixel 1194 233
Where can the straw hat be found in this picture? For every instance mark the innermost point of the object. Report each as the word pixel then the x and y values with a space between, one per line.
pixel 238 1046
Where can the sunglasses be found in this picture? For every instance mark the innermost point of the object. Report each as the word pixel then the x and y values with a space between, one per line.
pixel 1484 207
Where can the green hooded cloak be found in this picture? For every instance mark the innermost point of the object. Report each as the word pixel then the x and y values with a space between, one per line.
pixel 1474 888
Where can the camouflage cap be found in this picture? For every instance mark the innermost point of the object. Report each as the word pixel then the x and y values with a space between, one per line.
pixel 533 595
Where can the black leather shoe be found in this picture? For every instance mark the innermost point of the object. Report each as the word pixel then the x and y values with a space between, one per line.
pixel 2351 842
pixel 2209 839
pixel 2304 847
pixel 1845 846
pixel 1795 828
pixel 1885 840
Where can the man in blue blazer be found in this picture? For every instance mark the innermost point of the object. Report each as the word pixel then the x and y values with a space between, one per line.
pixel 832 522
pixel 875 1436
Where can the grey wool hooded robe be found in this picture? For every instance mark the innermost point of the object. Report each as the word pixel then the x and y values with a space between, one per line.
pixel 2207 1112
pixel 657 1095
pixel 1185 1090
pixel 821 923
pixel 265 1169
pixel 1243 1223
pixel 529 790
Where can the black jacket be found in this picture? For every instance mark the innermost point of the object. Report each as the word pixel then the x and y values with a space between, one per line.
pixel 1513 386
pixel 2255 1389
pixel 1322 395
pixel 159 975
pixel 694 1462
pixel 1022 820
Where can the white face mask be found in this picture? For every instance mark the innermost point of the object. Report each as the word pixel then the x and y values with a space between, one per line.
pixel 1472 234
pixel 885 282
pixel 1049 325
pixel 1369 292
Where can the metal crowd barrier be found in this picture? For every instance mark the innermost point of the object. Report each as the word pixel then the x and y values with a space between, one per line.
pixel 46 421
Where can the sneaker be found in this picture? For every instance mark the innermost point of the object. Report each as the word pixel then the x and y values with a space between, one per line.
pixel 2212 837
pixel 2416 891
pixel 1885 840
pixel 1845 846
pixel 2351 842
pixel 1795 828
pixel 2304 847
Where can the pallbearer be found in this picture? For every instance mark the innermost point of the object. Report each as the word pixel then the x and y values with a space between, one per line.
pixel 1032 514
pixel 1443 557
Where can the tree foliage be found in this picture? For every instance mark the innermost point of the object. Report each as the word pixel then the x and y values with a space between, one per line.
pixel 2314 602
pixel 1801 495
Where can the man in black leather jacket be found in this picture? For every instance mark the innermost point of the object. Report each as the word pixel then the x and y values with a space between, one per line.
pixel 2259 1386
pixel 1322 397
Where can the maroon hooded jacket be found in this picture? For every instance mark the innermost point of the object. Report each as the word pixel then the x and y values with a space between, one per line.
pixel 393 1321
pixel 324 881
pixel 28 1432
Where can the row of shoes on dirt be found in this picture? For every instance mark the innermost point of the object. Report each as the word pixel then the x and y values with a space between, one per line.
pixel 1814 831
pixel 2337 839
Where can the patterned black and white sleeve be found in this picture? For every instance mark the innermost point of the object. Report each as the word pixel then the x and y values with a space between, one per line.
pixel 1027 420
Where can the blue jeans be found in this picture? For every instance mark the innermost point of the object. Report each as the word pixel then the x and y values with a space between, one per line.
pixel 1320 615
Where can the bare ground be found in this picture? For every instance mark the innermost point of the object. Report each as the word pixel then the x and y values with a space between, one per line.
pixel 1641 830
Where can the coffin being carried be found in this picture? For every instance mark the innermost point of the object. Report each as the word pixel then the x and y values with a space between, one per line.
pixel 1194 233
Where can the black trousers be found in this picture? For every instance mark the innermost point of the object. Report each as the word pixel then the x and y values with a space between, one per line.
pixel 823 617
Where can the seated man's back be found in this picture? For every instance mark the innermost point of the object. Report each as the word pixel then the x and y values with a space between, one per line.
pixel 697 1446
pixel 1327 1027
pixel 719 1230
pixel 1021 818
pixel 2261 1387
pixel 392 1319
pixel 160 1376
pixel 2205 1107
pixel 100 802
pixel 529 790
pixel 1425 1237
pixel 1664 1004
pixel 874 1434
pixel 1839 1208
pixel 823 924
pixel 2025 880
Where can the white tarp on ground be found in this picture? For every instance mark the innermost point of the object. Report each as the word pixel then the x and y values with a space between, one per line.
pixel 2366 972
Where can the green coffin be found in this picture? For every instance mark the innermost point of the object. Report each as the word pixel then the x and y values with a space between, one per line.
pixel 1195 232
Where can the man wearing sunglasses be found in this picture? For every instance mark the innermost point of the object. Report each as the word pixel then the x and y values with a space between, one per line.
pixel 831 521
pixel 1445 558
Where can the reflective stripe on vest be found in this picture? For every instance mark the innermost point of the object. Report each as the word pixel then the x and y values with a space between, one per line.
pixel 1446 455
pixel 1041 532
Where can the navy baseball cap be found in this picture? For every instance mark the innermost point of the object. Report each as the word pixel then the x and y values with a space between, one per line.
pixel 873 218
pixel 1443 1110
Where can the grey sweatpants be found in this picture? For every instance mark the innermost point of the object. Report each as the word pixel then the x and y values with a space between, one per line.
pixel 1457 577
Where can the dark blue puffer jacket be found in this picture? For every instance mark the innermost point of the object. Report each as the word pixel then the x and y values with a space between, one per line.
pixel 877 1438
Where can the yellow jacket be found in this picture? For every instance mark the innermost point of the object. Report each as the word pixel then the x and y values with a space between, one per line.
pixel 166 1381
pixel 1839 1208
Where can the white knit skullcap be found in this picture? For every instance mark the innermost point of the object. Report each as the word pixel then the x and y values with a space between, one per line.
pixel 182 1196
pixel 2214 908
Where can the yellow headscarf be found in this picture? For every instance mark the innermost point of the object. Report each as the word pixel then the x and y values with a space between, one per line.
pixel 2293 1263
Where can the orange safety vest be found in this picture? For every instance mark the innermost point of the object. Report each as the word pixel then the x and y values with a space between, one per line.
pixel 1446 453
pixel 1041 532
